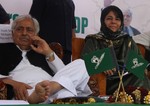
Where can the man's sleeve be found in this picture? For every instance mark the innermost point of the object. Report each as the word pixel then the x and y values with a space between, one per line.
pixel 4 17
pixel 56 64
pixel 74 78
pixel 73 17
pixel 37 9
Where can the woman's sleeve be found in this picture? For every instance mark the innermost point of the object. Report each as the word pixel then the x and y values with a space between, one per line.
pixel 135 47
pixel 89 46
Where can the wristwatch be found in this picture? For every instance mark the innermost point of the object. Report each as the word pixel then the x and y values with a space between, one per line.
pixel 49 55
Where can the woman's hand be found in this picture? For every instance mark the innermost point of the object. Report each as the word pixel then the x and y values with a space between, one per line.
pixel 110 72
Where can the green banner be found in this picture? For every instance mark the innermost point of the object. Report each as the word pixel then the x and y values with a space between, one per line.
pixel 100 61
pixel 136 64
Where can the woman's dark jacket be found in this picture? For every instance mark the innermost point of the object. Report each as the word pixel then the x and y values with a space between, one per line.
pixel 121 47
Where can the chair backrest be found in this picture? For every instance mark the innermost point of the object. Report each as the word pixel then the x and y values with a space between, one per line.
pixel 97 82
pixel 77 45
pixel 3 91
pixel 142 49
pixel 57 48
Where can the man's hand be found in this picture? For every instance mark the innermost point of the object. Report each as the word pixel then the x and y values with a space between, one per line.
pixel 20 89
pixel 40 46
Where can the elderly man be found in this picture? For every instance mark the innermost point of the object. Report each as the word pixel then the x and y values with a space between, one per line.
pixel 127 23
pixel 30 62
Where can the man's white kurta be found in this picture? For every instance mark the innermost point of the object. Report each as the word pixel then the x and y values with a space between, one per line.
pixel 73 77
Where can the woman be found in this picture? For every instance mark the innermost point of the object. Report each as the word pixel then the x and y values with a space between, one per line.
pixel 111 33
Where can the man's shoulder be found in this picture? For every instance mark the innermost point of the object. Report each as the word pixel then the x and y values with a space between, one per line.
pixel 135 31
pixel 7 45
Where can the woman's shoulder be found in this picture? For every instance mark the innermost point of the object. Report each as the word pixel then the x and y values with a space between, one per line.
pixel 128 38
pixel 94 36
pixel 125 37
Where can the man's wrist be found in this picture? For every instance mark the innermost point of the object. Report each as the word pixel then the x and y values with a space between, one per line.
pixel 49 56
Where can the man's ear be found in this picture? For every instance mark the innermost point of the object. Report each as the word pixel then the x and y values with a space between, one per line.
pixel 12 33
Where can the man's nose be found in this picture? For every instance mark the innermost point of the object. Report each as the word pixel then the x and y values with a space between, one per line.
pixel 24 32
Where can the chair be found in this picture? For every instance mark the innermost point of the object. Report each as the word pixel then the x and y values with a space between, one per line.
pixel 142 49
pixel 97 82
pixel 3 91
pixel 57 48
